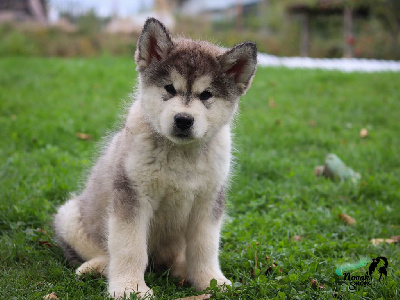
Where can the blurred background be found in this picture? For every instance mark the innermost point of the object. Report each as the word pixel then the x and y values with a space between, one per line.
pixel 312 28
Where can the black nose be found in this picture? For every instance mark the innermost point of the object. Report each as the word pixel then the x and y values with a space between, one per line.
pixel 183 121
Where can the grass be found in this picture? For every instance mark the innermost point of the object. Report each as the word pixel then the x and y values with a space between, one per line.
pixel 289 121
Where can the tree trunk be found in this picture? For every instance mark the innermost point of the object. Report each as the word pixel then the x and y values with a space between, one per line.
pixel 348 32
pixel 305 36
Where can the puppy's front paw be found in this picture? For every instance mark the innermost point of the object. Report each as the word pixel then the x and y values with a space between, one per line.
pixel 121 292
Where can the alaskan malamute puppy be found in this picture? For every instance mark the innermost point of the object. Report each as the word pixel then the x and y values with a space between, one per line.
pixel 158 189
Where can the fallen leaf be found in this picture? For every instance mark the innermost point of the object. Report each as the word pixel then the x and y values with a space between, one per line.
pixel 41 230
pixel 315 284
pixel 319 171
pixel 347 219
pixel 83 136
pixel 182 282
pixel 14 117
pixel 297 238
pixel 45 243
pixel 271 103
pixel 312 123
pixel 363 133
pixel 272 268
pixel 50 296
pixel 396 238
pixel 277 122
pixel 198 297
pixel 380 241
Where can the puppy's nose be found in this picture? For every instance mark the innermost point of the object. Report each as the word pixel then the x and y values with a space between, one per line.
pixel 183 121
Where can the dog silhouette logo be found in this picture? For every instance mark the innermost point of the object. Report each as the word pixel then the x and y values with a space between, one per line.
pixel 382 270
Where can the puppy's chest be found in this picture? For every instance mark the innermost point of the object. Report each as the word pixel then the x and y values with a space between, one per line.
pixel 172 175
pixel 173 184
pixel 171 210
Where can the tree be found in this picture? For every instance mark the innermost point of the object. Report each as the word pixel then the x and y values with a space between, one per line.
pixel 388 13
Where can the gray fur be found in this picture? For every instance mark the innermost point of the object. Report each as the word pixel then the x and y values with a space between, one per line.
pixel 192 60
pixel 219 204
pixel 94 203
pixel 125 195
pixel 70 254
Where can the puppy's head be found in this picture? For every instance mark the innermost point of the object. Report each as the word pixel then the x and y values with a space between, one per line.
pixel 190 89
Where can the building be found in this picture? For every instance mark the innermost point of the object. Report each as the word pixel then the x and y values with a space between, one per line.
pixel 217 10
pixel 23 10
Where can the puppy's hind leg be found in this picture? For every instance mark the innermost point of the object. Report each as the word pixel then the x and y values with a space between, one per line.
pixel 76 243
pixel 178 268
pixel 96 265
pixel 172 255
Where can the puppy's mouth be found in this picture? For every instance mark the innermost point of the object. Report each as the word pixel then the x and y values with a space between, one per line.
pixel 182 134
pixel 179 136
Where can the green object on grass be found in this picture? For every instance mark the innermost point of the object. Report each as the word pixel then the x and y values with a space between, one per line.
pixel 335 168
pixel 350 267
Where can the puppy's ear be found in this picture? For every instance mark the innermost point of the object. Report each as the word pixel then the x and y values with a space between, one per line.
pixel 240 63
pixel 154 44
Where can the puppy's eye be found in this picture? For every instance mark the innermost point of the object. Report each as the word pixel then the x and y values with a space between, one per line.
pixel 205 95
pixel 170 89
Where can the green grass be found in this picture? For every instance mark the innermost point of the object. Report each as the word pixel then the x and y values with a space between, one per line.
pixel 274 194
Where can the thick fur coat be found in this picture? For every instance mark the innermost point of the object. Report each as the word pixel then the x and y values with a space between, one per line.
pixel 158 189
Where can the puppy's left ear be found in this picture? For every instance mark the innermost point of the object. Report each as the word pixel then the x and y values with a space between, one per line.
pixel 154 44
pixel 240 63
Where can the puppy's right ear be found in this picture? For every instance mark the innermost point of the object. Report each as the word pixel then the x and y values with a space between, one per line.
pixel 154 44
pixel 240 64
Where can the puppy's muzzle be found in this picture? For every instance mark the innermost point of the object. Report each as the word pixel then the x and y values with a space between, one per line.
pixel 183 122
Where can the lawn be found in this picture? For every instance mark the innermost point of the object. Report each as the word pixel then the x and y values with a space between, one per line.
pixel 282 238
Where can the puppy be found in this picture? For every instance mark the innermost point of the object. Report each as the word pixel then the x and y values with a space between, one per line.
pixel 158 188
